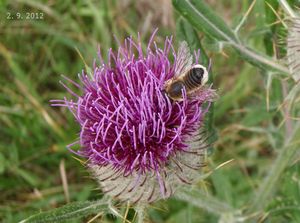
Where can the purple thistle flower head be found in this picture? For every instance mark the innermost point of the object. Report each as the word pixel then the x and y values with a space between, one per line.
pixel 140 144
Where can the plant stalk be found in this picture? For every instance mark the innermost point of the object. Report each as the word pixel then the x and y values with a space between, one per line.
pixel 205 201
pixel 281 162
pixel 287 8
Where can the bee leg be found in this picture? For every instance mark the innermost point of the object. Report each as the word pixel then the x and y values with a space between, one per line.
pixel 196 93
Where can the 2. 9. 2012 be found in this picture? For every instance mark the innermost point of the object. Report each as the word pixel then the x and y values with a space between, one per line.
pixel 25 16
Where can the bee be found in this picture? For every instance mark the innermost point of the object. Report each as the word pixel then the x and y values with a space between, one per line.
pixel 188 76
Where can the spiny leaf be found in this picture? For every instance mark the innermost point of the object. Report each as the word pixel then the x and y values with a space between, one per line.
pixel 72 210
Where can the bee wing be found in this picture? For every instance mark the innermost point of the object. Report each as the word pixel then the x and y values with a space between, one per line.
pixel 184 59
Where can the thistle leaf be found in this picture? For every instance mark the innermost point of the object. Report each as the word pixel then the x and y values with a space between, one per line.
pixel 186 32
pixel 204 19
pixel 72 210
pixel 293 49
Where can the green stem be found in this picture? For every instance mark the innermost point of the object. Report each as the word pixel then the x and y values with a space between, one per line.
pixel 140 210
pixel 261 61
pixel 205 201
pixel 281 162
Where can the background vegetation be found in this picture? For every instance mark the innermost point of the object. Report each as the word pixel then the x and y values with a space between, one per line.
pixel 255 118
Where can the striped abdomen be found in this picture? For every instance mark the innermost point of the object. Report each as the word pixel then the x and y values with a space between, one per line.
pixel 193 78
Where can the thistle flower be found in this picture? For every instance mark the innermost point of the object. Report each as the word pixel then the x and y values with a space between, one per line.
pixel 139 144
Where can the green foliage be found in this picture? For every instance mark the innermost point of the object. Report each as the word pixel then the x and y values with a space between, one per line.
pixel 287 204
pixel 206 20
pixel 186 32
pixel 256 116
pixel 203 18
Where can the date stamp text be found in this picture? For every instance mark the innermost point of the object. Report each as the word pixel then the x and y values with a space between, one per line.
pixel 24 15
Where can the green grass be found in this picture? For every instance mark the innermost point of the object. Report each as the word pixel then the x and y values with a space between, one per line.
pixel 249 118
